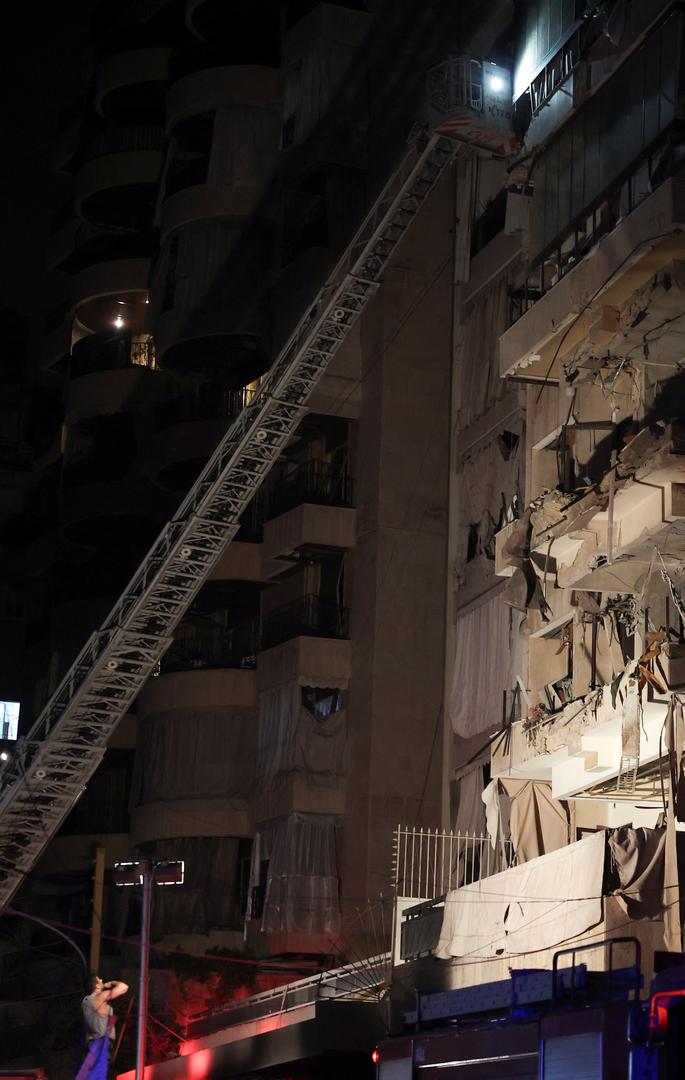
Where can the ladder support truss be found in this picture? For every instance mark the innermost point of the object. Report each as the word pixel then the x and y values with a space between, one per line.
pixel 54 762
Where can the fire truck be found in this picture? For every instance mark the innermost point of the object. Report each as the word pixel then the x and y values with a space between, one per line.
pixel 567 1023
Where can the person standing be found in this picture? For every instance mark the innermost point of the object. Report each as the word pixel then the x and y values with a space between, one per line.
pixel 98 1017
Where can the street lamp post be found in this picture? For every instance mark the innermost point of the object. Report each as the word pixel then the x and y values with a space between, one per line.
pixel 146 873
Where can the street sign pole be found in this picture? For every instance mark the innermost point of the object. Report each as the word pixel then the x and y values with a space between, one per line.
pixel 147 871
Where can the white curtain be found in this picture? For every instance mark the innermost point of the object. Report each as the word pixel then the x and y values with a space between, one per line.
pixel 487 660
pixel 302 876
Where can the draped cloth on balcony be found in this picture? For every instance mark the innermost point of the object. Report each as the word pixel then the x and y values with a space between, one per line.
pixel 486 663
pixel 302 875
pixel 528 908
pixel 525 811
pixel 207 900
pixel 195 754
pixel 291 740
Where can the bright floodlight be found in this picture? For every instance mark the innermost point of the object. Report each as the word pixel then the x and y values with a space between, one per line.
pixel 118 322
pixel 496 83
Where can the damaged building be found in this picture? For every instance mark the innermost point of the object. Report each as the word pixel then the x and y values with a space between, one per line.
pixel 422 725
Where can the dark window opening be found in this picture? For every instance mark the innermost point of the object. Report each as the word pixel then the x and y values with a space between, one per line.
pixel 322 701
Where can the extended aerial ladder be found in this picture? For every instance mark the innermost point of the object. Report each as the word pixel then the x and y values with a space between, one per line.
pixel 52 764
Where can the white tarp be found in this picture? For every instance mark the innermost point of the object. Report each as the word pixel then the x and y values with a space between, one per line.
pixel 528 908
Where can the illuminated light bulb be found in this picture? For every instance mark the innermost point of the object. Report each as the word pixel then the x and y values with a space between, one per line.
pixel 496 83
pixel 375 1056
pixel 118 322
pixel 4 756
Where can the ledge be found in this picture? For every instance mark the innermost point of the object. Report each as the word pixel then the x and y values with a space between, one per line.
pixel 622 262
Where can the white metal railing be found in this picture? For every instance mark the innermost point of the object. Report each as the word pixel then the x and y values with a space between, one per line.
pixel 428 863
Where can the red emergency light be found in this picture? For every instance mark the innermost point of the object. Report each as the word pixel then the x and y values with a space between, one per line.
pixel 375 1056
pixel 658 1012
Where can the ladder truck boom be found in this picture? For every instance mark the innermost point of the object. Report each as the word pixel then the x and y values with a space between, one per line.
pixel 54 761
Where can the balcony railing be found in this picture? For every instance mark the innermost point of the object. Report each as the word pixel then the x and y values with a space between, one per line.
pixel 124 140
pixel 197 647
pixel 428 864
pixel 310 616
pixel 110 352
pixel 606 159
pixel 311 482
pixel 222 404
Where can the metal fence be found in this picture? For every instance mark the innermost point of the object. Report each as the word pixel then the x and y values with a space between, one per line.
pixel 428 863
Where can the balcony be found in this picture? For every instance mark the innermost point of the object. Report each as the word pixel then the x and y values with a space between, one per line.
pixel 111 352
pixel 598 188
pixel 252 33
pixel 310 482
pixel 131 81
pixel 202 644
pixel 117 181
pixel 310 616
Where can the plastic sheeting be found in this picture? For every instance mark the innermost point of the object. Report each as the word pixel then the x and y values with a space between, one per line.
pixel 528 908
pixel 486 663
pixel 208 898
pixel 292 740
pixel 199 753
pixel 302 875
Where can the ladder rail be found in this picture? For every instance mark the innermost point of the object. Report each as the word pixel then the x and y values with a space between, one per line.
pixel 55 760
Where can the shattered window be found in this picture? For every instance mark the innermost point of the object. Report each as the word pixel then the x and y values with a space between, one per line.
pixel 322 701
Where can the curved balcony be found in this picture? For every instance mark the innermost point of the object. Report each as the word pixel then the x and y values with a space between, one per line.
pixel 107 515
pixel 107 392
pixel 118 178
pixel 112 295
pixel 131 83
pixel 203 85
pixel 80 245
pixel 112 351
pixel 208 345
pixel 252 30
pixel 189 201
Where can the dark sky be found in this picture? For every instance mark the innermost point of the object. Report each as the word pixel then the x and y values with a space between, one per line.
pixel 43 65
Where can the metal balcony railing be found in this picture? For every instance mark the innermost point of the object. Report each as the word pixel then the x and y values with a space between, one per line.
pixel 124 140
pixel 605 160
pixel 428 864
pixel 311 482
pixel 221 404
pixel 110 352
pixel 197 647
pixel 310 616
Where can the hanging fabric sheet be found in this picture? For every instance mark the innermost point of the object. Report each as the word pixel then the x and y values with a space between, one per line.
pixel 302 874
pixel 487 659
pixel 528 908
